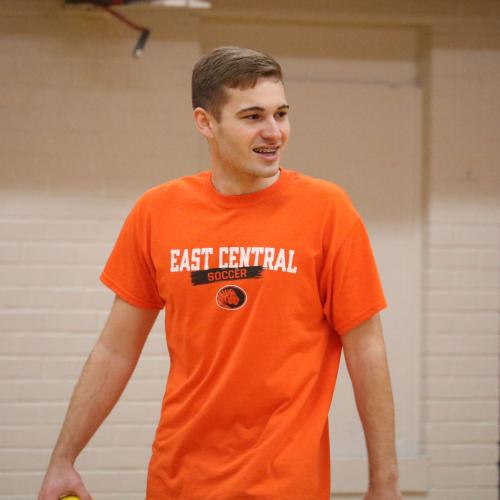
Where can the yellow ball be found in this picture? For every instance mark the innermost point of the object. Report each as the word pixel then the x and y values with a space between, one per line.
pixel 69 497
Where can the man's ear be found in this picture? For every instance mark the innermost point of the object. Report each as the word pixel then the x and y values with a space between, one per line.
pixel 204 122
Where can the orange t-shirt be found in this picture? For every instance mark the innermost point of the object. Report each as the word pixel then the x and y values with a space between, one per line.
pixel 258 289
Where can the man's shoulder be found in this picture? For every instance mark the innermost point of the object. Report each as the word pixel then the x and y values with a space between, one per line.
pixel 181 186
pixel 329 204
pixel 321 189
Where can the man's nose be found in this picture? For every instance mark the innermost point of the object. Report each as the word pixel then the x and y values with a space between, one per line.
pixel 271 130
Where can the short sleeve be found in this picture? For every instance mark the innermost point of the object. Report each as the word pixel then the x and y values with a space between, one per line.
pixel 352 287
pixel 130 271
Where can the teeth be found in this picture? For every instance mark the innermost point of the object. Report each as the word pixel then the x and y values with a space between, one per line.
pixel 265 150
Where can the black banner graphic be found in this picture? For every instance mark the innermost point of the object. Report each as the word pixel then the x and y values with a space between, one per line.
pixel 226 274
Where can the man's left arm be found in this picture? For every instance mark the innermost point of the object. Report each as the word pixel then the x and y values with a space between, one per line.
pixel 366 360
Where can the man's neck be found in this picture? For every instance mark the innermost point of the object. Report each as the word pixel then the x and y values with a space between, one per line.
pixel 229 182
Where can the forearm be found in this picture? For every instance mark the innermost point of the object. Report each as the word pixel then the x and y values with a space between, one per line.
pixel 375 404
pixel 366 359
pixel 103 378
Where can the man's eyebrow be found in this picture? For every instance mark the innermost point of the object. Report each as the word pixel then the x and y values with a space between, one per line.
pixel 258 108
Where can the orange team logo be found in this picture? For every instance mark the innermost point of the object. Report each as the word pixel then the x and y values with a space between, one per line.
pixel 231 297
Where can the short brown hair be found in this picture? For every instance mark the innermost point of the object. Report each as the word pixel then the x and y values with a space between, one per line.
pixel 233 67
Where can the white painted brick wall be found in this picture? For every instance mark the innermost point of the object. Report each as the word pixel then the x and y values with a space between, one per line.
pixel 85 130
pixel 462 274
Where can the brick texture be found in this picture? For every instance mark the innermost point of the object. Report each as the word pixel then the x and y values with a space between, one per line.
pixel 461 275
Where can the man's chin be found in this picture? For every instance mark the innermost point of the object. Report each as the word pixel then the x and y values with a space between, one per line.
pixel 266 171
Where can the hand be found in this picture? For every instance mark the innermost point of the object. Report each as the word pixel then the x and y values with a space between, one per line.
pixel 385 492
pixel 62 479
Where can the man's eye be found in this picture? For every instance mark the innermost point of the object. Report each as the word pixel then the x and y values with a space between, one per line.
pixel 282 114
pixel 252 117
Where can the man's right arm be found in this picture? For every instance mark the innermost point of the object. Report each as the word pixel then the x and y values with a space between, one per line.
pixel 102 381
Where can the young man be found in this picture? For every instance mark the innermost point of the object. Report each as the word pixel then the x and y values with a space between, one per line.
pixel 266 275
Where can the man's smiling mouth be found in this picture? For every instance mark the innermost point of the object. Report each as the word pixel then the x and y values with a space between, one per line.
pixel 266 151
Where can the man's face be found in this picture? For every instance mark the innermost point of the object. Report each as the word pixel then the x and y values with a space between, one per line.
pixel 253 129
